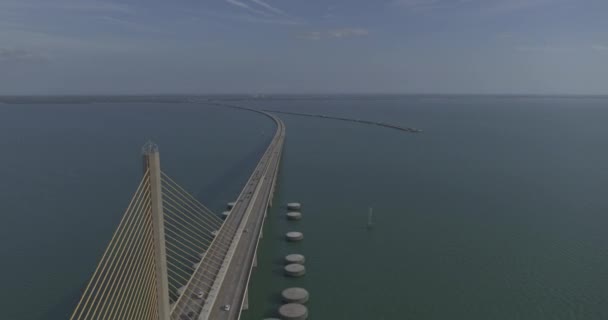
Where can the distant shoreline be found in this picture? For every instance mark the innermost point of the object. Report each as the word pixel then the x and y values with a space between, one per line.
pixel 186 98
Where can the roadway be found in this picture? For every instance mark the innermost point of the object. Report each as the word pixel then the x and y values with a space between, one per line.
pixel 235 284
pixel 229 260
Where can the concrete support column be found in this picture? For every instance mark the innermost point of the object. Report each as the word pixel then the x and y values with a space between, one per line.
pixel 246 301
pixel 152 166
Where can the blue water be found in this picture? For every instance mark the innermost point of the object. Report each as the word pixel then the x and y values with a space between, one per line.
pixel 496 211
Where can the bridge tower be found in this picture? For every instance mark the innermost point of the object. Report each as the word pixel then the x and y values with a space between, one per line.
pixel 151 159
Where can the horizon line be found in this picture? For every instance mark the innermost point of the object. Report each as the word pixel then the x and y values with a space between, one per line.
pixel 262 95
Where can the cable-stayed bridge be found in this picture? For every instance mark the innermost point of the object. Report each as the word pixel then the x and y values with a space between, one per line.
pixel 171 258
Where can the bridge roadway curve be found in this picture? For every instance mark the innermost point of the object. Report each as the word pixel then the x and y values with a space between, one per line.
pixel 231 256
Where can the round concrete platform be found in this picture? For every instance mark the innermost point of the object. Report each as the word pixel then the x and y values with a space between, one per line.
pixel 295 270
pixel 293 311
pixel 294 206
pixel 225 214
pixel 295 295
pixel 294 236
pixel 294 215
pixel 295 258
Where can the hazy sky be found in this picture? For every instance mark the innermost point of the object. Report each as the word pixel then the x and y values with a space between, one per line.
pixel 303 46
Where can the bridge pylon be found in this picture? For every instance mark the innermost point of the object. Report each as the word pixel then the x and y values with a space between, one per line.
pixel 151 160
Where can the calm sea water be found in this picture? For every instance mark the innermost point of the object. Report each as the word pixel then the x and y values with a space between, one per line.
pixel 496 211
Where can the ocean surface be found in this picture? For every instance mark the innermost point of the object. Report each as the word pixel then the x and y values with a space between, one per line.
pixel 498 210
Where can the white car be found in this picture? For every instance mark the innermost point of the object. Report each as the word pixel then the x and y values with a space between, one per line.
pixel 226 307
pixel 199 294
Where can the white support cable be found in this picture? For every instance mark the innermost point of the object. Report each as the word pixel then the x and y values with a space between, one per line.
pixel 173 254
pixel 183 266
pixel 187 255
pixel 172 244
pixel 130 227
pixel 129 275
pixel 170 190
pixel 115 258
pixel 149 281
pixel 134 258
pixel 188 259
pixel 91 284
pixel 192 218
pixel 181 254
pixel 208 217
pixel 211 248
pixel 117 265
pixel 175 220
pixel 203 276
pixel 150 293
pixel 185 239
pixel 140 293
pixel 132 287
pixel 202 206
pixel 173 239
pixel 126 258
pixel 208 245
pixel 170 273
pixel 213 251
pixel 171 219
pixel 173 286
pixel 215 263
pixel 177 274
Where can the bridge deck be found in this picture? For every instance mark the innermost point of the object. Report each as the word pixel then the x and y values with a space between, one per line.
pixel 235 244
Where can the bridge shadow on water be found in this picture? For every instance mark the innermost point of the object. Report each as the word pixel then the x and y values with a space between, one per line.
pixel 227 185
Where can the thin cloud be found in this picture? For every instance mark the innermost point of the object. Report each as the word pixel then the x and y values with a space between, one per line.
pixel 415 3
pixel 268 7
pixel 21 55
pixel 335 34
pixel 544 48
pixel 245 6
pixel 65 5
pixel 269 20
pixel 427 5
pixel 131 25
pixel 504 7
pixel 561 49
pixel 244 16
pixel 488 7
pixel 600 47
pixel 312 35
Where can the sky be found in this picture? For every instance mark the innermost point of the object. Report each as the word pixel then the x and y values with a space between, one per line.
pixel 303 46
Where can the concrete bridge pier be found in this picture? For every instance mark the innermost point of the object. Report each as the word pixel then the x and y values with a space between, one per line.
pixel 246 301
pixel 151 159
